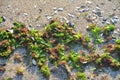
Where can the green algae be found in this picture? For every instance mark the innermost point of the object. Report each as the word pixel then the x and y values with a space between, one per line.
pixel 54 43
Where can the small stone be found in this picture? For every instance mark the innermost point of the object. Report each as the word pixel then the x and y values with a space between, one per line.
pixel 115 32
pixel 98 12
pixel 102 3
pixel 54 8
pixel 25 14
pixel 100 70
pixel 82 10
pixel 93 11
pixel 66 19
pixel 34 62
pixel 114 19
pixel 70 15
pixel 84 62
pixel 114 9
pixel 40 10
pixel 77 8
pixel 118 30
pixel 49 17
pixel 32 38
pixel 38 25
pixel 4 18
pixel 82 6
pixel 9 6
pixel 55 12
pixel 35 6
pixel 60 9
pixel 71 24
pixel 46 15
pixel 107 22
pixel 10 30
pixel 88 2
pixel 104 20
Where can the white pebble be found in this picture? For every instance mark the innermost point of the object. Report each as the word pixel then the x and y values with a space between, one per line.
pixel 10 30
pixel 25 14
pixel 60 9
pixel 38 25
pixel 49 17
pixel 55 12
pixel 34 62
pixel 118 30
pixel 54 8
pixel 35 6
pixel 115 32
pixel 88 2
pixel 70 15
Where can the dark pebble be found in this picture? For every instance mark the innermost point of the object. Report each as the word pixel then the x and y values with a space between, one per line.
pixel 71 24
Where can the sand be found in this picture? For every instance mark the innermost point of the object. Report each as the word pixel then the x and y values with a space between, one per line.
pixel 34 14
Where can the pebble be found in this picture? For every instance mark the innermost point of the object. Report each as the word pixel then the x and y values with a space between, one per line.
pixel 107 22
pixel 118 30
pixel 104 20
pixel 82 10
pixel 84 62
pixel 38 25
pixel 35 6
pixel 54 8
pixel 34 62
pixel 4 18
pixel 97 11
pixel 55 12
pixel 88 2
pixel 114 19
pixel 100 70
pixel 70 15
pixel 10 30
pixel 115 32
pixel 82 6
pixel 60 9
pixel 25 14
pixel 46 15
pixel 9 6
pixel 49 17
pixel 64 18
pixel 71 24
pixel 40 10
pixel 77 8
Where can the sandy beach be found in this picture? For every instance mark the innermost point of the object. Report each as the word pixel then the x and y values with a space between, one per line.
pixel 37 13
